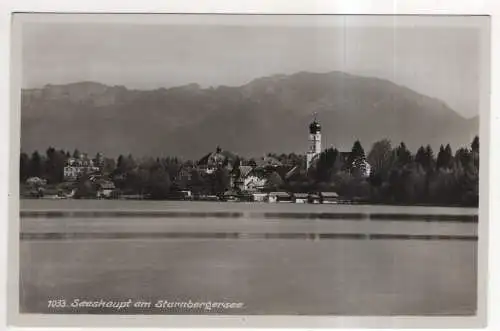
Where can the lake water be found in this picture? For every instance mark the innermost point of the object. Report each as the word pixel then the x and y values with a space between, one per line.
pixel 274 258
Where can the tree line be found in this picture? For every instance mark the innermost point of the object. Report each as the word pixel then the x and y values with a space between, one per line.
pixel 396 176
pixel 399 177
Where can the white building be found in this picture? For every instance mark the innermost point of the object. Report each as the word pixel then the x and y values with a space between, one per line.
pixel 77 166
pixel 246 179
pixel 254 183
pixel 105 189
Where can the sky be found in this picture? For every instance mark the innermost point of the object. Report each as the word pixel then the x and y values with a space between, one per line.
pixel 438 60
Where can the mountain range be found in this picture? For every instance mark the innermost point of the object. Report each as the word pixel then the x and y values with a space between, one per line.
pixel 269 114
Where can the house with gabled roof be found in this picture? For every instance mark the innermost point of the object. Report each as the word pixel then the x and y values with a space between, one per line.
pixel 247 178
pixel 215 160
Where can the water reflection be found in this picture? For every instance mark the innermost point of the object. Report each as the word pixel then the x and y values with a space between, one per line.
pixel 257 215
pixel 234 235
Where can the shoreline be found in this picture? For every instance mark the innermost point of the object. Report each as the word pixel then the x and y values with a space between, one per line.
pixel 152 206
pixel 339 203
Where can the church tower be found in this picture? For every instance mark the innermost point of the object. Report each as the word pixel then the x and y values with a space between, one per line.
pixel 314 141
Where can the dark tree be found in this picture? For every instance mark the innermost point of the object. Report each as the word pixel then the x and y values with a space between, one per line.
pixel 36 165
pixel 172 165
pixel 380 157
pixel 159 183
pixel 274 182
pixel 475 151
pixel 85 188
pixel 425 157
pixel 421 157
pixel 325 166
pixel 463 157
pixel 50 151
pixel 198 183
pixel 403 155
pixel 130 163
pixel 120 164
pixel 109 166
pixel 357 160
pixel 54 165
pixel 429 162
pixel 449 155
pixel 76 153
pixel 125 164
pixel 445 158
pixel 24 167
pixel 220 181
pixel 99 160
pixel 475 145
pixel 440 158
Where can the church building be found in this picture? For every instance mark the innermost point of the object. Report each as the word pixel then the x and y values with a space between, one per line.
pixel 315 149
pixel 314 142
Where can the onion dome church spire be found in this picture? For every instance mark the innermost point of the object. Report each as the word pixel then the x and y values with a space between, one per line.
pixel 314 127
pixel 314 141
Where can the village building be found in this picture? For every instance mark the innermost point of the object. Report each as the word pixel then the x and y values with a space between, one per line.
pixel 231 195
pixel 300 197
pixel 80 165
pixel 313 198
pixel 279 197
pixel 248 179
pixel 216 160
pixel 185 175
pixel 105 188
pixel 329 197
pixel 259 197
pixel 253 183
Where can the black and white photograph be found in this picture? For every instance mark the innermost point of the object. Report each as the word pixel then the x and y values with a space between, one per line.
pixel 257 165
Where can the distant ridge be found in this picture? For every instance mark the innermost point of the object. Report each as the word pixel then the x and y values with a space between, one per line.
pixel 268 114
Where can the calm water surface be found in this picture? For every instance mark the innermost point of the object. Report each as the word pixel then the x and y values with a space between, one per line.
pixel 275 258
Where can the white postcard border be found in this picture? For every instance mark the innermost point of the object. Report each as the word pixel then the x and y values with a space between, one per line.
pixel 246 321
